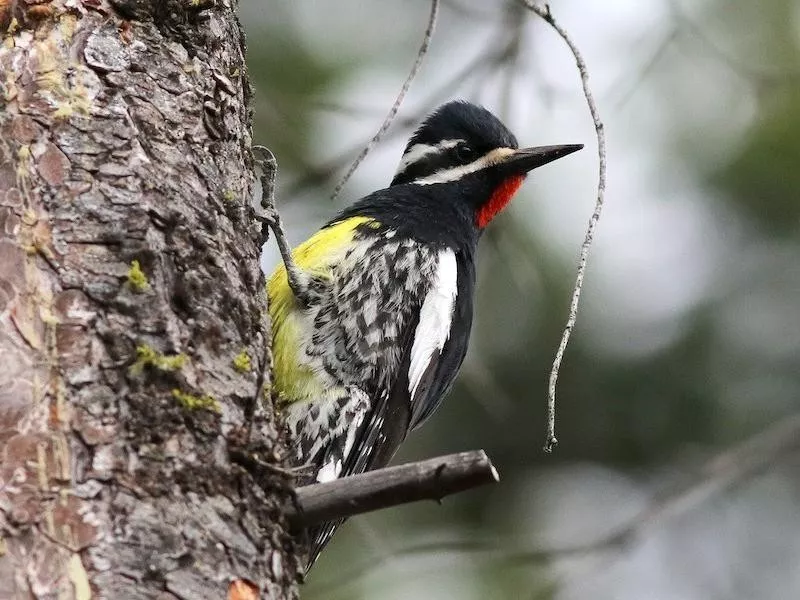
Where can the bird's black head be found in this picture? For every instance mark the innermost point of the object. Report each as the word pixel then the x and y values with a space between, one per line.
pixel 465 146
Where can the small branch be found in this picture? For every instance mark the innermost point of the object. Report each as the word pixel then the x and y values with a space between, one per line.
pixel 750 72
pixel 298 279
pixel 431 479
pixel 721 473
pixel 544 13
pixel 632 84
pixel 423 50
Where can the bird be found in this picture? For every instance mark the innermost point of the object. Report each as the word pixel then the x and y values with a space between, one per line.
pixel 371 316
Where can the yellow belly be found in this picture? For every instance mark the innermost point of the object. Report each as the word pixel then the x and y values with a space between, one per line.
pixel 294 379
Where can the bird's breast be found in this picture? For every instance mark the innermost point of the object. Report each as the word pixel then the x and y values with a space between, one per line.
pixel 371 284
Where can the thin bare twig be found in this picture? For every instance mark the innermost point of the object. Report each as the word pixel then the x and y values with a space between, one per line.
pixel 515 25
pixel 502 47
pixel 423 50
pixel 544 13
pixel 758 74
pixel 632 84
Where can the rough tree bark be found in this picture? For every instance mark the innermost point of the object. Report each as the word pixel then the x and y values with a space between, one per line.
pixel 133 361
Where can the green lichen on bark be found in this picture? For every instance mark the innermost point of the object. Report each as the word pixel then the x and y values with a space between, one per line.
pixel 146 356
pixel 137 280
pixel 242 363
pixel 195 402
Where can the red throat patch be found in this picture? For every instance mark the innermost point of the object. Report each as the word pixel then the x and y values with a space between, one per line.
pixel 498 200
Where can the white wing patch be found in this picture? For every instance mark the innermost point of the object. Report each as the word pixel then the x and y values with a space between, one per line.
pixel 435 318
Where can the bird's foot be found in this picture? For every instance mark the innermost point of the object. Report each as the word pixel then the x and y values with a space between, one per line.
pixel 299 280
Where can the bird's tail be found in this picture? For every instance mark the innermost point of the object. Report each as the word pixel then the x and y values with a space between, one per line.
pixel 318 537
pixel 378 438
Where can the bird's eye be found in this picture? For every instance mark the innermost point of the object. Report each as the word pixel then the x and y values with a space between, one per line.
pixel 464 153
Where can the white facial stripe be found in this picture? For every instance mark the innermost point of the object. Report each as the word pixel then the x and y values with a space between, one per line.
pixel 490 159
pixel 417 151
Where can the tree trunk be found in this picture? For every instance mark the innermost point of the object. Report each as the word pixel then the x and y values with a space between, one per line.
pixel 133 339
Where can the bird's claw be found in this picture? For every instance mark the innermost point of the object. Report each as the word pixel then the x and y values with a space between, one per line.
pixel 266 161
pixel 268 165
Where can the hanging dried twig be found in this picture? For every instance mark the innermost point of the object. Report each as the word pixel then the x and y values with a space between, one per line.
pixel 544 12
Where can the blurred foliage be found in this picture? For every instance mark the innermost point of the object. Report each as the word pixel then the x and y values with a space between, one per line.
pixel 289 77
pixel 731 364
pixel 763 178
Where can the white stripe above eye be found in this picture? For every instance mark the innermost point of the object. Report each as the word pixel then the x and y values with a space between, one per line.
pixel 417 151
pixel 435 319
pixel 455 173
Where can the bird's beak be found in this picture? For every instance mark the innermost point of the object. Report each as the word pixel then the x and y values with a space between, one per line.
pixel 526 159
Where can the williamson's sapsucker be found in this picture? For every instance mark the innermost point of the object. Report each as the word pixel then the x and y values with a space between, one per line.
pixel 368 338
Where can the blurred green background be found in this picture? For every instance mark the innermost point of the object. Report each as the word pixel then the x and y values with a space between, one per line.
pixel 688 339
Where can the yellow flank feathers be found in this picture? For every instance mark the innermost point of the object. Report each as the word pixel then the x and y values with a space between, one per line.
pixel 317 255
